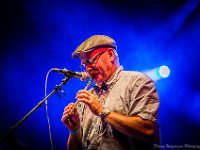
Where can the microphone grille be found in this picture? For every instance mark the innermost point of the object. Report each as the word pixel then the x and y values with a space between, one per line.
pixel 84 76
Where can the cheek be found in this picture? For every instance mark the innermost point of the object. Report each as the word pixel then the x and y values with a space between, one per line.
pixel 104 65
pixel 99 78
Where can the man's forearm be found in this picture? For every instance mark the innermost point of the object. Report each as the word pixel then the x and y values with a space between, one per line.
pixel 74 141
pixel 130 126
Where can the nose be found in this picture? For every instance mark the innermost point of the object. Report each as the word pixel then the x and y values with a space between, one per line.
pixel 91 71
pixel 89 67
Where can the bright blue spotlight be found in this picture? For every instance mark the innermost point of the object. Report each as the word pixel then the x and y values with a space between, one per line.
pixel 164 71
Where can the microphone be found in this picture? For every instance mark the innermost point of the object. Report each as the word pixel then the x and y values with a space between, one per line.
pixel 81 75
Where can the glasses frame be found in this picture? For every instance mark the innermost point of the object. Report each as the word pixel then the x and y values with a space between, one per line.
pixel 92 61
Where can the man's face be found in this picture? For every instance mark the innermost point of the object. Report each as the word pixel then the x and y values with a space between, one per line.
pixel 98 64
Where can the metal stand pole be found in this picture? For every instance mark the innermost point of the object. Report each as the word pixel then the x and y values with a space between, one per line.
pixel 14 127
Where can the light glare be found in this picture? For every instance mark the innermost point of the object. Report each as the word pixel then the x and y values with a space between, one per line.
pixel 164 71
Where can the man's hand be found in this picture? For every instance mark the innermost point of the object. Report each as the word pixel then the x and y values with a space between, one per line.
pixel 71 121
pixel 91 100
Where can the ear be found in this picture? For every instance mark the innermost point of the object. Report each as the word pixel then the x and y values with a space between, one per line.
pixel 111 54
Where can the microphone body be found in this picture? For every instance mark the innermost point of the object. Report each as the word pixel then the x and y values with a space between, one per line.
pixel 81 75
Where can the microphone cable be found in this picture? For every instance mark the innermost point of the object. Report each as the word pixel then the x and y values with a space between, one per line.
pixel 46 106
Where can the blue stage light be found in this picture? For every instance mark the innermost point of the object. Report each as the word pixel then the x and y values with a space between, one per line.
pixel 158 73
pixel 164 71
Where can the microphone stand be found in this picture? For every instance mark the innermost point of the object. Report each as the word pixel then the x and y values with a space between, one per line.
pixel 14 127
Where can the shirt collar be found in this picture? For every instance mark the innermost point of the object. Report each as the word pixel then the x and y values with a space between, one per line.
pixel 110 82
pixel 115 76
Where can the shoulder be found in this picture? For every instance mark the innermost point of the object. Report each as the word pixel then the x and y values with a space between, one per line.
pixel 135 75
pixel 136 78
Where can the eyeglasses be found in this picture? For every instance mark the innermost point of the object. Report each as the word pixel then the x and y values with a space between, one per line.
pixel 93 60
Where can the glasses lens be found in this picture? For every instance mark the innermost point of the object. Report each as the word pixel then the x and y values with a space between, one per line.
pixel 91 61
pixel 95 58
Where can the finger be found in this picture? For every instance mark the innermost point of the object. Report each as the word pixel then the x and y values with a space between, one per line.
pixel 83 100
pixel 67 111
pixel 68 118
pixel 65 118
pixel 82 95
pixel 82 92
pixel 86 101
pixel 70 105
pixel 87 93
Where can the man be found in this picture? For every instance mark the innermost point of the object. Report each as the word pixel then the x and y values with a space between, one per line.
pixel 120 111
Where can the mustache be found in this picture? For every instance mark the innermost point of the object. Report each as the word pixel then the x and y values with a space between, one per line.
pixel 94 71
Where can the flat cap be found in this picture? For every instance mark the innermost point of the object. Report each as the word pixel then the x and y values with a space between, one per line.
pixel 94 42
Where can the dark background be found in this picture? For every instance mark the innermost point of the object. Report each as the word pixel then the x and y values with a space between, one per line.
pixel 37 35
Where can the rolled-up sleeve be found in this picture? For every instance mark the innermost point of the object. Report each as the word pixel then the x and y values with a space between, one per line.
pixel 144 100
